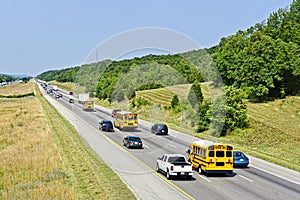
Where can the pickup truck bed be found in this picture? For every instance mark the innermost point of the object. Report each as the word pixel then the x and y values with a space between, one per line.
pixel 174 165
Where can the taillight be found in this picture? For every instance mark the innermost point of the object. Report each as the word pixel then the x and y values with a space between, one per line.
pixel 172 168
pixel 130 142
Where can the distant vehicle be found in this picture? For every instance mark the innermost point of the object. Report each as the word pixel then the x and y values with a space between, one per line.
pixel 211 157
pixel 159 129
pixel 71 100
pixel 49 91
pixel 71 93
pixel 240 159
pixel 126 120
pixel 55 88
pixel 88 106
pixel 106 125
pixel 83 97
pixel 132 141
pixel 174 165
pixel 113 113
pixel 57 96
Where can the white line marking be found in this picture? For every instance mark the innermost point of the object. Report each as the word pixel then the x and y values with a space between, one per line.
pixel 146 146
pixel 248 179
pixel 204 178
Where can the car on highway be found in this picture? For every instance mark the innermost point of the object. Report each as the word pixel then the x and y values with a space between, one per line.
pixel 71 100
pixel 58 95
pixel 132 142
pixel 174 165
pixel 240 159
pixel 159 129
pixel 113 113
pixel 106 125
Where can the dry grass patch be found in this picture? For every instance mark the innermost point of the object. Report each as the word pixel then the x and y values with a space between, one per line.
pixel 17 89
pixel 30 167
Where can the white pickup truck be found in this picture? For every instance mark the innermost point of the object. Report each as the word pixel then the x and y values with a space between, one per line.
pixel 174 165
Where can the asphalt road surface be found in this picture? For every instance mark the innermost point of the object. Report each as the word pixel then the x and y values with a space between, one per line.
pixel 136 167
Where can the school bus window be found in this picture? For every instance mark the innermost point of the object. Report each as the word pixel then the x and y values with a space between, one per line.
pixel 211 154
pixel 220 154
pixel 228 153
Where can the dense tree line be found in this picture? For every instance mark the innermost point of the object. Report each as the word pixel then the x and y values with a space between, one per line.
pixel 5 78
pixel 264 60
pixel 63 75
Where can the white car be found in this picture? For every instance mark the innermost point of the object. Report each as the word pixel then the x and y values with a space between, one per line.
pixel 174 165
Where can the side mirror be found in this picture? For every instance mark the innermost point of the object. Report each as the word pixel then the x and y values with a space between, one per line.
pixel 188 151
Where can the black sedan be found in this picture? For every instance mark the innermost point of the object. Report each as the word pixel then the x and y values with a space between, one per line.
pixel 240 159
pixel 106 125
pixel 159 129
pixel 133 141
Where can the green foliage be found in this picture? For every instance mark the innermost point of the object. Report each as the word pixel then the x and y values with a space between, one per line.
pixel 150 86
pixel 204 116
pixel 265 59
pixel 175 101
pixel 5 78
pixel 224 114
pixel 195 96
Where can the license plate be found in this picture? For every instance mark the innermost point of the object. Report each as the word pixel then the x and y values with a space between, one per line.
pixel 136 143
pixel 241 159
pixel 182 173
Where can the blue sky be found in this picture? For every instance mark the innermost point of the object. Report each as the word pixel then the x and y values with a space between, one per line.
pixel 37 36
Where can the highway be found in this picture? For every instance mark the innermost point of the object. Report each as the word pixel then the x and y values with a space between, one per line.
pixel 137 166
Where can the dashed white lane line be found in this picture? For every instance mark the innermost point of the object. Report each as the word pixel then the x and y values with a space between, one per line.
pixel 204 178
pixel 248 179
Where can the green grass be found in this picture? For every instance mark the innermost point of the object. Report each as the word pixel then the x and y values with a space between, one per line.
pixel 164 96
pixel 90 176
pixel 274 133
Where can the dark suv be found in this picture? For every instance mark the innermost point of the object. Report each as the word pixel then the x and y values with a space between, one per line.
pixel 106 125
pixel 159 129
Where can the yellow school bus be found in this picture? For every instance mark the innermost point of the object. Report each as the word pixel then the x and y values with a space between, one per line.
pixel 126 120
pixel 88 106
pixel 211 157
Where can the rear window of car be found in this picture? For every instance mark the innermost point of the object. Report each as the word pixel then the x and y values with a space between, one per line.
pixel 134 139
pixel 176 159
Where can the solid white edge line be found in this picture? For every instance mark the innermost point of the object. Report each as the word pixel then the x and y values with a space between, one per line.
pixel 248 179
pixel 204 178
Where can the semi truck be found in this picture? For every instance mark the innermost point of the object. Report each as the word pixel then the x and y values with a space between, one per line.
pixel 83 97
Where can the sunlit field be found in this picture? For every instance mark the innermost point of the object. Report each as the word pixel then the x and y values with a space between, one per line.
pixel 17 89
pixel 43 157
pixel 31 167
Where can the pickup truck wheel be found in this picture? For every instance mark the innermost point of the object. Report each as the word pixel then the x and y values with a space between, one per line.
pixel 168 175
pixel 157 168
